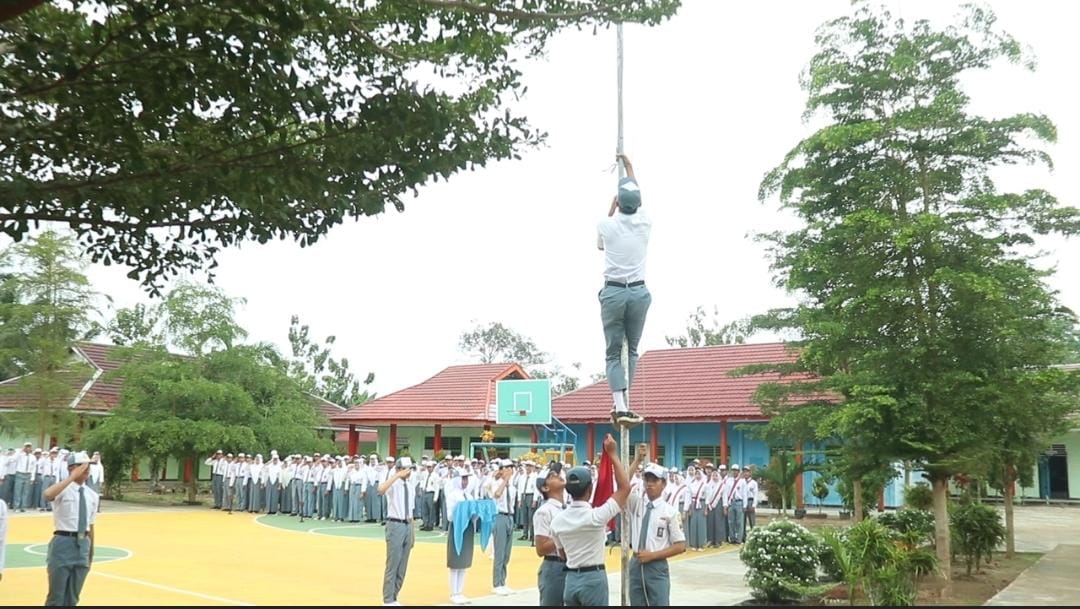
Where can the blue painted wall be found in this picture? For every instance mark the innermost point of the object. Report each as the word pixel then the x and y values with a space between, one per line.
pixel 674 437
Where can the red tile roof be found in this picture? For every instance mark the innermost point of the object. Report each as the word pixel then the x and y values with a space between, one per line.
pixel 462 395
pixel 683 385
pixel 103 393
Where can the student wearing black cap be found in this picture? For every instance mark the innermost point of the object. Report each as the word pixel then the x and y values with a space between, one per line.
pixel 580 531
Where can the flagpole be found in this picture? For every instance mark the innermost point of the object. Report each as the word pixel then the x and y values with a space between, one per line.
pixel 624 431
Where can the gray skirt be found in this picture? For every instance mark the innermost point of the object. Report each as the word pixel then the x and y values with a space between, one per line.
pixel 463 560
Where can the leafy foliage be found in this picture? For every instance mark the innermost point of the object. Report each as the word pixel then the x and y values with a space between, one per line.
pixel 977 530
pixel 495 343
pixel 915 527
pixel 919 496
pixel 162 131
pixel 698 334
pixel 781 561
pixel 319 373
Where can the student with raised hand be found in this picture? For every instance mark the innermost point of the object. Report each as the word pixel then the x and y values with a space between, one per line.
pixel 656 534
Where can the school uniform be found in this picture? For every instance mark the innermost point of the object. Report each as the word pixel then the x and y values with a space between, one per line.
pixel 580 532
pixel 696 522
pixel 717 520
pixel 25 469
pixel 734 501
pixel 48 478
pixel 654 526
pixel 68 559
pixel 400 537
pixel 502 534
pixel 551 578
pixel 356 484
pixel 750 509
pixel 273 487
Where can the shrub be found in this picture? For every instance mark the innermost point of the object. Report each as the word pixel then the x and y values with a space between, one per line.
pixel 919 497
pixel 781 561
pixel 977 531
pixel 915 527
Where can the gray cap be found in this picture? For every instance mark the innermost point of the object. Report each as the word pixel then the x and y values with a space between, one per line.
pixel 578 481
pixel 629 195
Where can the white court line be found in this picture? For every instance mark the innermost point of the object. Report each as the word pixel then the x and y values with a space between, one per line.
pixel 208 597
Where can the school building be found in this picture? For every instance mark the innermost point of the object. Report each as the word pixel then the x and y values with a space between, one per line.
pixel 93 390
pixel 693 409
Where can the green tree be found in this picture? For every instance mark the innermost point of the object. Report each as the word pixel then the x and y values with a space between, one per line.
pixel 704 331
pixel 319 373
pixel 910 268
pixel 162 131
pixel 137 325
pixel 49 305
pixel 200 318
pixel 495 343
pixel 12 336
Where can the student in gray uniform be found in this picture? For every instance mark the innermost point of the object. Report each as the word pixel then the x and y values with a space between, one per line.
pixel 456 490
pixel 400 535
pixel 3 532
pixel 581 530
pixel 655 535
pixel 551 579
pixel 71 550
pixel 217 480
pixel 502 535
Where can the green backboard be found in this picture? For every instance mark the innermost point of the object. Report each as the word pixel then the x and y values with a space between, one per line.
pixel 523 402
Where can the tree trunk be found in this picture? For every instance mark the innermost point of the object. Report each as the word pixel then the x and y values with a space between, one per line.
pixel 856 491
pixel 1010 531
pixel 941 528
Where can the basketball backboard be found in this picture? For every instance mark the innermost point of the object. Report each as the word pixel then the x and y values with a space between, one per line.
pixel 523 402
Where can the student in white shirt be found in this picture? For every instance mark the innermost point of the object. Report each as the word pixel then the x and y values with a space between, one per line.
pixel 502 535
pixel 551 579
pixel 400 497
pixel 655 535
pixel 456 490
pixel 624 299
pixel 71 551
pixel 3 535
pixel 750 509
pixel 580 532
pixel 734 501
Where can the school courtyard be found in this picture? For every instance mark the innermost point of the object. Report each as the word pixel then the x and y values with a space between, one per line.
pixel 194 556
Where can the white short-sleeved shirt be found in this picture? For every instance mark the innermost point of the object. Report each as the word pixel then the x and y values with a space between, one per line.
pixel 543 517
pixel 625 239
pixel 581 531
pixel 665 528
pixel 66 508
pixel 397 495
pixel 3 533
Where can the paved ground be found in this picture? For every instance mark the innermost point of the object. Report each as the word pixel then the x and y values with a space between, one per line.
pixel 716 579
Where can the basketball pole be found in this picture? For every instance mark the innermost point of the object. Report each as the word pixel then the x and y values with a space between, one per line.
pixel 624 431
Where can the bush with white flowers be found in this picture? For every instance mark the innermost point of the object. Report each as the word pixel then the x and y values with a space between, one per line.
pixel 781 560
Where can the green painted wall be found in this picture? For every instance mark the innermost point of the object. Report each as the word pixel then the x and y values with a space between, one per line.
pixel 1071 440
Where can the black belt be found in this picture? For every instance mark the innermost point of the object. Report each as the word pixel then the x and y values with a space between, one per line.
pixel 619 284
pixel 586 569
pixel 399 520
pixel 69 534
pixel 505 514
pixel 555 558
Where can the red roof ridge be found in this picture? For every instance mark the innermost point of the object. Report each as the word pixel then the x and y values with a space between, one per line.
pixel 718 347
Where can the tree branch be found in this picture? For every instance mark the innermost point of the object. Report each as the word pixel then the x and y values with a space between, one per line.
pixel 378 47
pixel 512 14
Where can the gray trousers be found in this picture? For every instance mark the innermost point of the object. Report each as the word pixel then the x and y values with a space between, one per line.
pixel 696 529
pixel 46 482
pixel 23 486
pixel 649 584
pixel 502 535
pixel 717 523
pixel 623 310
pixel 7 490
pixel 217 485
pixel 230 496
pixel 356 503
pixel 589 589
pixel 428 510
pixel 528 511
pixel 67 564
pixel 273 497
pixel 400 538
pixel 241 495
pixel 749 520
pixel 551 580
pixel 735 522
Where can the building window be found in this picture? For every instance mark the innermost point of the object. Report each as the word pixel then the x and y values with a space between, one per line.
pixel 659 454
pixel 450 444
pixel 705 453
pixel 502 452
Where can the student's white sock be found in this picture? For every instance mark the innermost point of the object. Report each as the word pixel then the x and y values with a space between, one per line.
pixel 620 401
pixel 457 581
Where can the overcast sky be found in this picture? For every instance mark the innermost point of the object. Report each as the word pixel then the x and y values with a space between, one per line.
pixel 712 102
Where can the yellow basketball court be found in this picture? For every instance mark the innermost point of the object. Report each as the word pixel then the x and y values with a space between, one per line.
pixel 206 557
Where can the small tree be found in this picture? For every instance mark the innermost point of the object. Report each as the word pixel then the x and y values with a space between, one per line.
pixel 820 490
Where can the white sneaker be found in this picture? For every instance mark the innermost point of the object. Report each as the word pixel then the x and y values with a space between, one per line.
pixel 503 591
pixel 459 599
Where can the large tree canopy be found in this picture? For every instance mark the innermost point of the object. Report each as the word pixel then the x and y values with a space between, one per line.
pixel 163 130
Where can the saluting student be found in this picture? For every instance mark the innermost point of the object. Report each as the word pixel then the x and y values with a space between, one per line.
pixel 498 488
pixel 71 550
pixel 400 498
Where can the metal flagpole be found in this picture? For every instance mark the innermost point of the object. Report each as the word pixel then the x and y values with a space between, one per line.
pixel 624 431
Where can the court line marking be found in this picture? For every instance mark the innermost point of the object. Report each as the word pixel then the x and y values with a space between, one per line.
pixel 28 550
pixel 208 597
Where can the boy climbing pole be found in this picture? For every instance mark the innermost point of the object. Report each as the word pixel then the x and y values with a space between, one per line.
pixel 624 299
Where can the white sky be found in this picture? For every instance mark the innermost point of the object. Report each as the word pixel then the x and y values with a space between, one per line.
pixel 712 102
